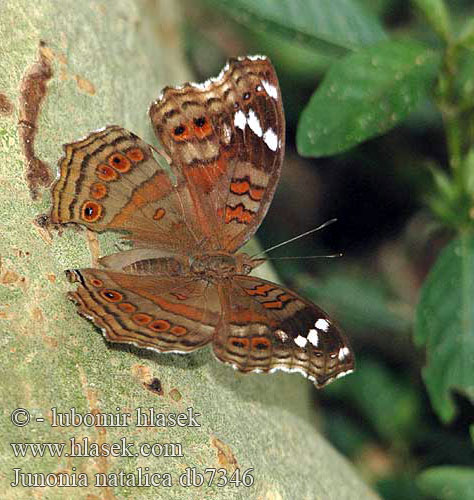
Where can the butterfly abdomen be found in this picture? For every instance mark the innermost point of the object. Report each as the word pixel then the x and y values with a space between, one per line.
pixel 162 266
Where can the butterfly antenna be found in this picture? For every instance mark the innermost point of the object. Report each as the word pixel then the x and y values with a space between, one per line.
pixel 330 256
pixel 322 226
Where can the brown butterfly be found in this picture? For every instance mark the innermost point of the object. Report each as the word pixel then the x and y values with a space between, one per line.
pixel 187 209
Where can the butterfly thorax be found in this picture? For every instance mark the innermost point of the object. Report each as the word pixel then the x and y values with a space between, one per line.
pixel 215 267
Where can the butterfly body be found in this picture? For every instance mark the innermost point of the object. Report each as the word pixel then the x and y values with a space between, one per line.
pixel 187 209
pixel 219 266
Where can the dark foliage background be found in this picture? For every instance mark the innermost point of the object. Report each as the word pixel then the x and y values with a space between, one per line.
pixel 379 101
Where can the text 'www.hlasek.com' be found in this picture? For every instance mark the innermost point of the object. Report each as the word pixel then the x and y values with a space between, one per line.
pixel 97 447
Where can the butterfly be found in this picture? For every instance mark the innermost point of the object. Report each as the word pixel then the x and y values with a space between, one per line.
pixel 186 209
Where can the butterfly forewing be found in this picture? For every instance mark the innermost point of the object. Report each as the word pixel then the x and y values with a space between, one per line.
pixel 164 314
pixel 226 137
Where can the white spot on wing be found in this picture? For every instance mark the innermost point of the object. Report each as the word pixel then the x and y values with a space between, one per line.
pixel 294 369
pixel 240 120
pixel 300 341
pixel 256 57
pixel 343 374
pixel 298 369
pixel 227 133
pixel 270 89
pixel 322 324
pixel 313 337
pixel 101 129
pixel 254 123
pixel 343 353
pixel 283 336
pixel 201 85
pixel 270 139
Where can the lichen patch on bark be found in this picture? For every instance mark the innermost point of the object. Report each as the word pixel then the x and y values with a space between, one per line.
pixel 85 85
pixel 225 456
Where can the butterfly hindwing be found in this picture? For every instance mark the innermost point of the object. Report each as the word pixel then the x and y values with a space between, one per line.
pixel 266 327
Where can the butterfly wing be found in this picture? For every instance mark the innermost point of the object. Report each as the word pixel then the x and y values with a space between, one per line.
pixel 265 327
pixel 163 314
pixel 110 180
pixel 226 138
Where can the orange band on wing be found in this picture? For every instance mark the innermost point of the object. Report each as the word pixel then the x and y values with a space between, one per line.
pixel 238 213
pixel 188 312
pixel 243 186
pixel 259 290
pixel 151 190
pixel 276 304
pixel 206 176
pixel 243 317
pixel 279 303
pixel 257 193
pixel 240 187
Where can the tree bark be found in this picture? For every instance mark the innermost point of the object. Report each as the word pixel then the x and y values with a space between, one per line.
pixel 103 63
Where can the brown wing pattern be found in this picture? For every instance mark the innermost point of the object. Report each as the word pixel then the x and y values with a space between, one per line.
pixel 226 138
pixel 266 327
pixel 164 314
pixel 110 180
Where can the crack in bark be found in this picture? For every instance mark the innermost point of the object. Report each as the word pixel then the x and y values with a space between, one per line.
pixel 33 90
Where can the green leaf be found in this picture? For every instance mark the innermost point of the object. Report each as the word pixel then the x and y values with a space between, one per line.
pixel 366 94
pixel 464 82
pixel 363 303
pixel 448 483
pixel 468 172
pixel 384 391
pixel 449 201
pixel 348 435
pixel 445 185
pixel 466 38
pixel 445 325
pixel 334 26
pixel 437 15
pixel 399 485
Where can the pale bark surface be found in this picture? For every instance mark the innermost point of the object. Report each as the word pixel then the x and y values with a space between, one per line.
pixel 109 61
